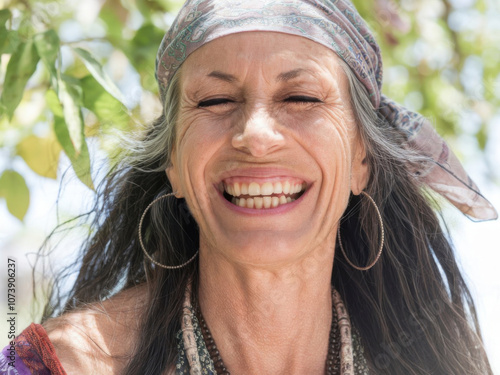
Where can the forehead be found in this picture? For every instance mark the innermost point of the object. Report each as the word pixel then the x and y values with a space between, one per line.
pixel 271 52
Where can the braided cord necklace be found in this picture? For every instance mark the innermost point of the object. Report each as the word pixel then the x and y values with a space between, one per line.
pixel 340 354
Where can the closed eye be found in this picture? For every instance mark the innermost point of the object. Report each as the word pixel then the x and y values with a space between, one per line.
pixel 302 99
pixel 213 102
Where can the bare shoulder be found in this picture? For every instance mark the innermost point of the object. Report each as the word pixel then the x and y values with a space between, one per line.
pixel 99 338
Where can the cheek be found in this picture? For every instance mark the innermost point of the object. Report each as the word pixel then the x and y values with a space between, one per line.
pixel 328 136
pixel 325 133
pixel 198 139
pixel 334 156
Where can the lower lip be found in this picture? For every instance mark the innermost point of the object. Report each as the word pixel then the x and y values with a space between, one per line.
pixel 264 211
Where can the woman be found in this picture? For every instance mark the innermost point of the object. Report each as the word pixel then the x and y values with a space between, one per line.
pixel 283 224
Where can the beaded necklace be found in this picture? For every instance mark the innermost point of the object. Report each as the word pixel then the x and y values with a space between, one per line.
pixel 340 354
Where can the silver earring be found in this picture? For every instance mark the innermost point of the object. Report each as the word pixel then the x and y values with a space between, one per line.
pixel 381 239
pixel 142 243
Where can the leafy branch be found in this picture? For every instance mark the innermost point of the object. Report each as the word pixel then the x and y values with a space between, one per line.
pixel 35 61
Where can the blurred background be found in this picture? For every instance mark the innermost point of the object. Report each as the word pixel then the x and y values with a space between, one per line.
pixel 76 74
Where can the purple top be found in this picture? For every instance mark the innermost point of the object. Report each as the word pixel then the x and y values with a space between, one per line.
pixel 30 353
pixel 11 364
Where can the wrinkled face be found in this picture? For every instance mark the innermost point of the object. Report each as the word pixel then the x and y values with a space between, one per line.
pixel 267 149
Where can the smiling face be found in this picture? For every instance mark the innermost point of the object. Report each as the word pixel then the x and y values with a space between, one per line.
pixel 267 150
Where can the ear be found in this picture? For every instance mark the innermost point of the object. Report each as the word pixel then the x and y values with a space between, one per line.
pixel 360 171
pixel 173 176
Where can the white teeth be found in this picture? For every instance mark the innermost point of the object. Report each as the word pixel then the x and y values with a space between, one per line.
pixel 258 202
pixel 266 189
pixel 286 188
pixel 267 202
pixel 237 191
pixel 275 202
pixel 262 202
pixel 264 195
pixel 253 189
pixel 250 203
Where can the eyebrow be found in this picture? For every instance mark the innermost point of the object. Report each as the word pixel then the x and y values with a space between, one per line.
pixel 222 76
pixel 291 74
pixel 282 77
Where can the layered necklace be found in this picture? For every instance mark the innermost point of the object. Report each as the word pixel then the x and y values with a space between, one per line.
pixel 340 351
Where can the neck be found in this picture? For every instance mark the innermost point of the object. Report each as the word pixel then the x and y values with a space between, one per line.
pixel 269 319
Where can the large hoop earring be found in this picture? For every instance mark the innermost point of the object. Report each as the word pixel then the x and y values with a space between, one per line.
pixel 142 243
pixel 381 239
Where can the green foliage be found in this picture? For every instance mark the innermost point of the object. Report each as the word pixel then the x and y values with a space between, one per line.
pixel 142 51
pixel 430 48
pixel 80 158
pixel 14 190
pixel 4 17
pixel 79 99
pixel 21 66
pixel 96 69
pixel 106 107
pixel 41 154
pixel 70 98
pixel 47 45
pixel 57 58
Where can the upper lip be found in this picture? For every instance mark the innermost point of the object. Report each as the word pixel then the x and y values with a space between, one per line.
pixel 262 174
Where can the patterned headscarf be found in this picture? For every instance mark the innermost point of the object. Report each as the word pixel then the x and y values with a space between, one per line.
pixel 336 25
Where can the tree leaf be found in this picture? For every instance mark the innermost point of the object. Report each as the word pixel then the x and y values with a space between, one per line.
pixel 16 193
pixel 70 99
pixel 11 43
pixel 114 15
pixel 96 69
pixel 54 104
pixel 41 154
pixel 482 137
pixel 79 161
pixel 5 15
pixel 141 50
pixel 4 33
pixel 108 110
pixel 47 45
pixel 21 66
pixel 149 7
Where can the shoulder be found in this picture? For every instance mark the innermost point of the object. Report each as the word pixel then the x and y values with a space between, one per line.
pixel 99 338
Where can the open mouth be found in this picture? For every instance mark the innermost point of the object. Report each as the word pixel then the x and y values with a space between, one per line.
pixel 262 195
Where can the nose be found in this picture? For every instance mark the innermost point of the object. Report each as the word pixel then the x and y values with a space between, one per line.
pixel 259 134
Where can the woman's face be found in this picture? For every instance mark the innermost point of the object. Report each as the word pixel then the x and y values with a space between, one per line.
pixel 267 149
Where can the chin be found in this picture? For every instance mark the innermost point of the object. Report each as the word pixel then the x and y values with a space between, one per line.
pixel 263 248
